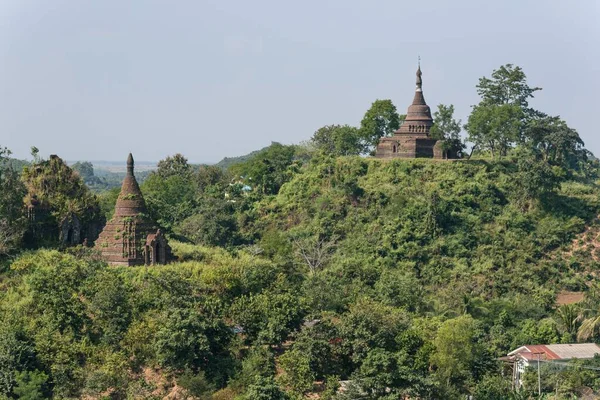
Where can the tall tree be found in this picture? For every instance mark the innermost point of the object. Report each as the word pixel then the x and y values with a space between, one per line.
pixel 508 85
pixel 12 191
pixel 170 193
pixel 380 120
pixel 174 165
pixel 494 128
pixel 448 129
pixel 556 142
pixel 456 350
pixel 338 140
pixel 499 120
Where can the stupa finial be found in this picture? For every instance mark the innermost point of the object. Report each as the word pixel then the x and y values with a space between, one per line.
pixel 130 164
pixel 419 80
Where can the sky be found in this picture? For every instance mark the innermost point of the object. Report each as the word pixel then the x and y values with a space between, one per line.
pixel 94 80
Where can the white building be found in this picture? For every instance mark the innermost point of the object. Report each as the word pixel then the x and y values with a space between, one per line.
pixel 531 355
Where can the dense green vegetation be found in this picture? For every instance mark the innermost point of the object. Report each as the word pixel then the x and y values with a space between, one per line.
pixel 304 269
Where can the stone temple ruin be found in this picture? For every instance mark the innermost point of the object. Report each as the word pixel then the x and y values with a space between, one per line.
pixel 131 237
pixel 412 139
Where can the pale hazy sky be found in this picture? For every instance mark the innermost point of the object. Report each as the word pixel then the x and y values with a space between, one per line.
pixel 94 80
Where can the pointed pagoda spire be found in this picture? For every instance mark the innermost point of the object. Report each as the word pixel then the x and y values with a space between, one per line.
pixel 419 80
pixel 130 165
pixel 418 117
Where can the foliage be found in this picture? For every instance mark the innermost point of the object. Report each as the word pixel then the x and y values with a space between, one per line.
pixel 30 385
pixel 269 169
pixel 170 194
pixel 85 169
pixel 381 119
pixel 446 128
pixel 301 272
pixel 494 127
pixel 12 220
pixel 54 187
pixel 213 224
pixel 176 165
pixel 338 140
pixel 507 85
pixel 555 142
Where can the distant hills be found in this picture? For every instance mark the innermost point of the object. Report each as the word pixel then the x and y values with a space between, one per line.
pixel 229 161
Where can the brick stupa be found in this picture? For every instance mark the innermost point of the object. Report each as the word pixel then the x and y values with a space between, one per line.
pixel 131 237
pixel 412 139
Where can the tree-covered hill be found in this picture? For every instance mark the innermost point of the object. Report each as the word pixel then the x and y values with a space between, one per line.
pixel 415 276
pixel 227 162
pixel 310 271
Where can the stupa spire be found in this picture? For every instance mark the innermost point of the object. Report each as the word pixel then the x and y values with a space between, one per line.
pixel 130 165
pixel 419 80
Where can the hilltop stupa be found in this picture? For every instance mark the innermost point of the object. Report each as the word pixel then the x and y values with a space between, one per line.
pixel 131 237
pixel 412 139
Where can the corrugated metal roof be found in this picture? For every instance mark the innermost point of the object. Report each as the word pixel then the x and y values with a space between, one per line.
pixel 576 350
pixel 557 351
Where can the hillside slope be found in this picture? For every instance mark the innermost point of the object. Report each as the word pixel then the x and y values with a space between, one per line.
pixel 458 226
pixel 407 278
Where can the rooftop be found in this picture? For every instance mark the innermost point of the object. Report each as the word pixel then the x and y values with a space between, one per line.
pixel 557 351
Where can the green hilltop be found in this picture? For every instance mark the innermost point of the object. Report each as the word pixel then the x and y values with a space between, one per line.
pixel 315 270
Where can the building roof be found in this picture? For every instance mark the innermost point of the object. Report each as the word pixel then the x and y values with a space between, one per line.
pixel 557 351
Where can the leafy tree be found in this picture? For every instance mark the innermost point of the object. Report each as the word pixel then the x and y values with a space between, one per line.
pixel 378 373
pixel 209 177
pixel 557 143
pixel 535 179
pixel 446 128
pixel 170 192
pixel 12 191
pixel 268 317
pixel 85 170
pixel 456 350
pixel 400 289
pixel 493 387
pixel 269 169
pixel 187 339
pixel 507 85
pixel 176 165
pixel 108 303
pixel 107 200
pixel 381 119
pixel 338 140
pixel 265 389
pixel 31 385
pixel 569 316
pixel 499 120
pixel 212 224
pixel 590 328
pixel 297 374
pixel 259 363
pixel 17 353
pixel 196 385
pixel 369 325
pixel 494 127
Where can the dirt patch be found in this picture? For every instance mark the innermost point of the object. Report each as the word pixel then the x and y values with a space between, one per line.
pixel 569 297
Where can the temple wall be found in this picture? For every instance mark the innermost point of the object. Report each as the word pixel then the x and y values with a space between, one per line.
pixel 408 146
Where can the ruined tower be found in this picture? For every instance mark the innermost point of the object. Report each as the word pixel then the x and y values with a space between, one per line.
pixel 412 139
pixel 131 237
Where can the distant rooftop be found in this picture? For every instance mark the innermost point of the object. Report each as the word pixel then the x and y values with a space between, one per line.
pixel 557 351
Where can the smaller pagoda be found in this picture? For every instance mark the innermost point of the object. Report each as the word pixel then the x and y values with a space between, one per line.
pixel 131 237
pixel 412 139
